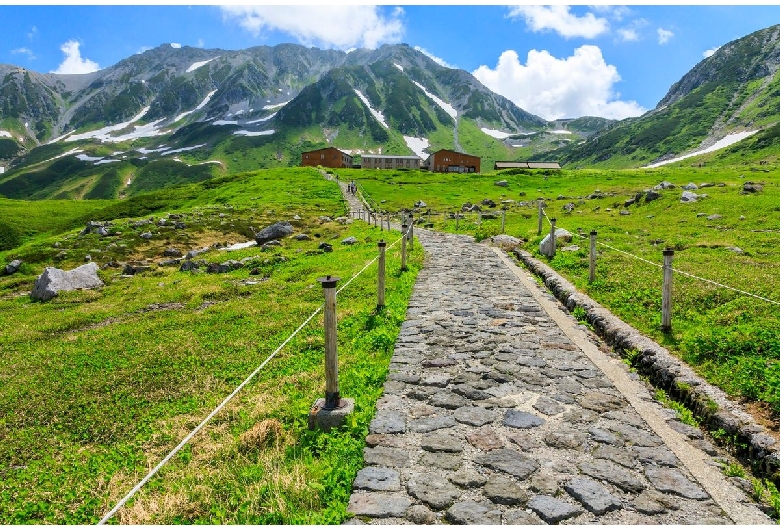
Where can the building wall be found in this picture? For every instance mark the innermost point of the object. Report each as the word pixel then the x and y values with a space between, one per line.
pixel 370 162
pixel 327 157
pixel 446 161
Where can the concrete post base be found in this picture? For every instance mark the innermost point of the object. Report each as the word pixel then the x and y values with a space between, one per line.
pixel 327 419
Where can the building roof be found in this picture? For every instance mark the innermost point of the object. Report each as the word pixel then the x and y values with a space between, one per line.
pixel 526 165
pixel 544 165
pixel 510 165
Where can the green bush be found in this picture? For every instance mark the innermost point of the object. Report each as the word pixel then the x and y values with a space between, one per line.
pixel 9 237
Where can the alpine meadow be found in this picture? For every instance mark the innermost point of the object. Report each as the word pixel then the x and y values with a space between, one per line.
pixel 164 171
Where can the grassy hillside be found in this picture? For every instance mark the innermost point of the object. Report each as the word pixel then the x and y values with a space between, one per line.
pixel 97 386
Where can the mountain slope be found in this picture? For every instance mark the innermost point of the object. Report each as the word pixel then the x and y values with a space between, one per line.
pixel 736 89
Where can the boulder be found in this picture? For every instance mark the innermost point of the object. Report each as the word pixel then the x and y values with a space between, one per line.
pixel 569 207
pixel 505 242
pixel 274 231
pixel 13 267
pixel 147 235
pixel 54 280
pixel 502 184
pixel 305 237
pixel 171 252
pixel 192 253
pixel 688 196
pixel 563 235
pixel 489 203
pixel 690 186
pixel 325 247
pixel 751 187
pixel 651 195
pixel 349 241
pixel 664 186
pixel 420 204
pixel 132 269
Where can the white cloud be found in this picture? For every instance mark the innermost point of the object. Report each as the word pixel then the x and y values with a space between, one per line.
pixel 710 52
pixel 616 12
pixel 32 33
pixel 73 62
pixel 628 35
pixel 143 49
pixel 437 60
pixel 330 26
pixel 579 85
pixel 664 35
pixel 24 51
pixel 559 18
pixel 201 43
pixel 175 45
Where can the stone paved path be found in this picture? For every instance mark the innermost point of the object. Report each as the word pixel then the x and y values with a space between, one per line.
pixel 492 415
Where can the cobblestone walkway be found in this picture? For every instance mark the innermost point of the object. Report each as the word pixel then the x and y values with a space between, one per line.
pixel 492 415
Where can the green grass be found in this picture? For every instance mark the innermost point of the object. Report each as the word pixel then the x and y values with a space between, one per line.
pixel 97 386
pixel 729 338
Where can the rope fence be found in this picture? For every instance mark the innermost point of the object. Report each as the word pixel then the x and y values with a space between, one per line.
pixel 331 359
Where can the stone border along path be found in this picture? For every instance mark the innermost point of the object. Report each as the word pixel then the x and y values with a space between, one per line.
pixel 498 409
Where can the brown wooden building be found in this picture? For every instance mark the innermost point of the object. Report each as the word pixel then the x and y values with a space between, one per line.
pixel 446 161
pixel 327 157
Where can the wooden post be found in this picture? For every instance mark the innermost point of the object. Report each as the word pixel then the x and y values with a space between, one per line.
pixel 552 237
pixel 666 303
pixel 380 293
pixel 411 232
pixel 403 246
pixel 332 397
pixel 592 272
pixel 541 214
pixel 503 220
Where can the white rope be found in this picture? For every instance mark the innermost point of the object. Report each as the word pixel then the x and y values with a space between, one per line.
pixel 213 413
pixel 688 274
pixel 544 213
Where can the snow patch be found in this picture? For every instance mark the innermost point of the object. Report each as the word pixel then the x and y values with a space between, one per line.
pixel 226 122
pixel 377 114
pixel 145 151
pixel 106 161
pixel 449 109
pixel 559 131
pixel 398 66
pixel 277 106
pixel 239 246
pixel 417 145
pixel 500 135
pixel 195 66
pixel 202 104
pixel 720 144
pixel 182 149
pixel 103 134
pixel 261 120
pixel 254 133
pixel 87 158
pixel 5 134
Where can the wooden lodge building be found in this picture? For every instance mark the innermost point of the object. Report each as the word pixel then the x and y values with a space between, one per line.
pixel 446 161
pixel 327 157
pixel 369 161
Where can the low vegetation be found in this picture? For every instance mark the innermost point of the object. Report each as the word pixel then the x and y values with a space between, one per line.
pixel 97 386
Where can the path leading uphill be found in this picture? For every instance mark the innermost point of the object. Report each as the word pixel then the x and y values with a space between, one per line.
pixel 498 408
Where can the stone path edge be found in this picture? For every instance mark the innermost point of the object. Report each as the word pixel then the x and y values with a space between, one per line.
pixel 664 369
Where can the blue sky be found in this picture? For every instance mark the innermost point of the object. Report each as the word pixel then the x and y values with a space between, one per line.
pixel 554 61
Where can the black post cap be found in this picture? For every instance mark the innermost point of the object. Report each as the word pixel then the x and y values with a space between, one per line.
pixel 328 282
pixel 382 243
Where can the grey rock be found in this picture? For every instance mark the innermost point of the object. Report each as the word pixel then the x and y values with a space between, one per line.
pixel 450 461
pixel 388 422
pixel 659 456
pixel 705 446
pixel 687 430
pixel 553 510
pixel 469 392
pixel 570 248
pixel 652 195
pixel 441 443
pixel 188 266
pixel 421 514
pixel 690 186
pixel 509 461
pixel 385 456
pixel 672 481
pixel 302 237
pixel 525 441
pixel 468 478
pixel 714 217
pixel 448 400
pixel 503 490
pixel 147 235
pixel 432 489
pixel 624 457
pixel 751 187
pixel 351 240
pixel 485 439
pixel 520 518
pixel 548 406
pixel 380 505
pixel 688 196
pixel 420 204
pixel 612 473
pixel 475 416
pixel 544 482
pixel 437 380
pixel 325 247
pixel 54 281
pixel 377 479
pixel 171 252
pixel 502 183
pixel 592 495
pixel 522 420
pixel 600 402
pixel 13 267
pixel 635 436
pixel 565 439
pixel 473 513
pixel 274 231
pixel 651 502
pixel 192 253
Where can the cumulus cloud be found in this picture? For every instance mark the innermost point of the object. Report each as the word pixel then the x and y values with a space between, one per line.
pixel 579 85
pixel 437 60
pixel 74 63
pixel 616 12
pixel 628 34
pixel 24 51
pixel 559 18
pixel 328 26
pixel 710 52
pixel 664 35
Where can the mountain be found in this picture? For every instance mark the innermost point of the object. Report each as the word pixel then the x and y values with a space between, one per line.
pixel 129 127
pixel 736 90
